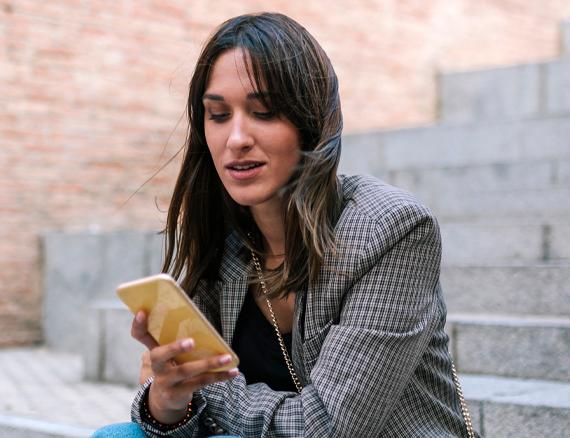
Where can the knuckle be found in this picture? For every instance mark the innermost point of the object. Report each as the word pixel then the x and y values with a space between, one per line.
pixel 180 373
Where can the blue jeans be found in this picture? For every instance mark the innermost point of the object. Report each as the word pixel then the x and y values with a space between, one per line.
pixel 128 430
pixel 124 430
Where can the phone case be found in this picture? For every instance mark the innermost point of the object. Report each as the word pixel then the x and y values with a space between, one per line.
pixel 172 315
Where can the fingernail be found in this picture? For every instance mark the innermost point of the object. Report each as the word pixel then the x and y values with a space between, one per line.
pixel 226 358
pixel 140 316
pixel 233 372
pixel 187 343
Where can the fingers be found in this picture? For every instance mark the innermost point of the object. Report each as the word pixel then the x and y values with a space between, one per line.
pixel 140 333
pixel 197 382
pixel 162 362
pixel 162 357
pixel 174 384
pixel 204 367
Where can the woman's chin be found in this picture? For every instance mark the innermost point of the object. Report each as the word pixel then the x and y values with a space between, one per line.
pixel 248 200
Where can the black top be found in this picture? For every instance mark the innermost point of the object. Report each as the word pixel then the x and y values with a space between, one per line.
pixel 256 344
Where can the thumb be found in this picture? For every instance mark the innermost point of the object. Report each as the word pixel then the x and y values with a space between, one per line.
pixel 140 332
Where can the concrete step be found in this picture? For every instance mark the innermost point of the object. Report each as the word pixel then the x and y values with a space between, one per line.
pixel 110 354
pixel 545 174
pixel 534 347
pixel 21 427
pixel 444 145
pixel 535 187
pixel 502 407
pixel 558 86
pixel 513 92
pixel 539 290
pixel 44 395
pixel 536 203
pixel 512 240
pixel 82 267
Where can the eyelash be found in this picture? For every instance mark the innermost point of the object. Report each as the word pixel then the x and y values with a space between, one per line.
pixel 265 115
pixel 218 117
pixel 268 115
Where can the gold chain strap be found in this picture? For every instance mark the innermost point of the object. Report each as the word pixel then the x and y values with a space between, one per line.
pixel 464 410
pixel 296 380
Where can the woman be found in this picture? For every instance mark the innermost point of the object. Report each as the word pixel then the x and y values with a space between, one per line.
pixel 326 286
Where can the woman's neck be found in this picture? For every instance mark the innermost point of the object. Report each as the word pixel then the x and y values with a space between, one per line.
pixel 269 220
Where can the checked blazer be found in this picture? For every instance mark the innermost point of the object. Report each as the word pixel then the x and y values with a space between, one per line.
pixel 368 340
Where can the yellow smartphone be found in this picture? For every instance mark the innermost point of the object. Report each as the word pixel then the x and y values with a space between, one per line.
pixel 172 315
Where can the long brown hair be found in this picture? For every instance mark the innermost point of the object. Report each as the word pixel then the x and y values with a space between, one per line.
pixel 302 87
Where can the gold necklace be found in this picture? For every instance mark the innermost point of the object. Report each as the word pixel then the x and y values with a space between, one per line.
pixel 288 361
pixel 464 410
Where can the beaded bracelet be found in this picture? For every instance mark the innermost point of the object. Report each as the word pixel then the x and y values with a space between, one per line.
pixel 148 418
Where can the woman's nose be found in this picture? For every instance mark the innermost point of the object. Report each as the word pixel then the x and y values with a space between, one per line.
pixel 240 135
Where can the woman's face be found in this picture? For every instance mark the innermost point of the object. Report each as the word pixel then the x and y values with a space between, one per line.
pixel 254 150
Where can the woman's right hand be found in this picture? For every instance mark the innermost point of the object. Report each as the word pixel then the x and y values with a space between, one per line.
pixel 174 384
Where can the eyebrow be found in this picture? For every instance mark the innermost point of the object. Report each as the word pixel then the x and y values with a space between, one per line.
pixel 259 95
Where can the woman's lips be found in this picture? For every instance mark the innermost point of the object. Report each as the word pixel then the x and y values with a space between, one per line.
pixel 245 173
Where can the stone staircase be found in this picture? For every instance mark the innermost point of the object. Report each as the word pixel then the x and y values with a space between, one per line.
pixel 496 171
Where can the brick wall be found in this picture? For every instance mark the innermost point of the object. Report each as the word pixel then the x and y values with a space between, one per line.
pixel 92 92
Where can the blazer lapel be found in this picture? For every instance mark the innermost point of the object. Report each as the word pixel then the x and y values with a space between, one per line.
pixel 234 274
pixel 298 336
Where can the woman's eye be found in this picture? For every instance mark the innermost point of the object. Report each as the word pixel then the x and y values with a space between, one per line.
pixel 264 115
pixel 218 117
